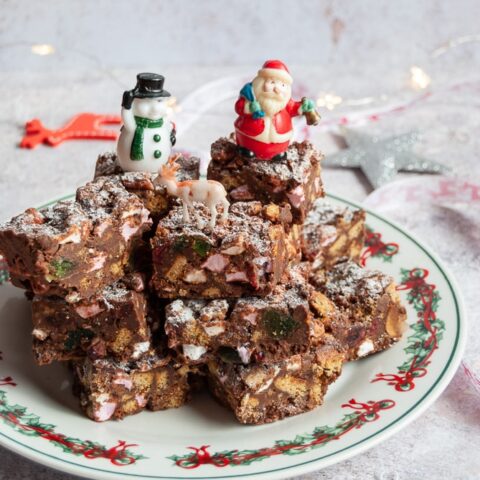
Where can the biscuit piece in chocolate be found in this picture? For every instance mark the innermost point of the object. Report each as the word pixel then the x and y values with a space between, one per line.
pixel 332 233
pixel 267 392
pixel 293 180
pixel 294 244
pixel 370 316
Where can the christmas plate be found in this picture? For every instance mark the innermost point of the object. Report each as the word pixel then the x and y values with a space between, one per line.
pixel 373 398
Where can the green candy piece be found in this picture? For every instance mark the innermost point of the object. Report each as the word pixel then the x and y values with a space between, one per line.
pixel 201 247
pixel 180 244
pixel 75 338
pixel 278 325
pixel 229 355
pixel 61 268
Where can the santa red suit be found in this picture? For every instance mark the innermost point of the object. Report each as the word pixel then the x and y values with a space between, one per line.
pixel 266 136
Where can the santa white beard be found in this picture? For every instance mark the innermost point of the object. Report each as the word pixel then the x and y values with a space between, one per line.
pixel 270 102
pixel 271 105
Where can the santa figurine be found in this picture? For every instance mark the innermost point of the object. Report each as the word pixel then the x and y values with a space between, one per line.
pixel 147 136
pixel 265 109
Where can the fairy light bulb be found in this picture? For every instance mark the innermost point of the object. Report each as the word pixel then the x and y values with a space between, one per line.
pixel 419 79
pixel 42 49
pixel 329 100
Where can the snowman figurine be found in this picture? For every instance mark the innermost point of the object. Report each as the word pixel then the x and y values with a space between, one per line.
pixel 147 136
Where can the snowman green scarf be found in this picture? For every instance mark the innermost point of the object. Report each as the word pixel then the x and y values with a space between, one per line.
pixel 136 151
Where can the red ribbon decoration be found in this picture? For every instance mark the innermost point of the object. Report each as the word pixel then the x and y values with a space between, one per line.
pixel 365 412
pixel 424 292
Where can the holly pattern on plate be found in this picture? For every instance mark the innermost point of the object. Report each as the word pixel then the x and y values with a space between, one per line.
pixel 27 423
pixel 362 413
pixel 7 381
pixel 375 247
pixel 427 331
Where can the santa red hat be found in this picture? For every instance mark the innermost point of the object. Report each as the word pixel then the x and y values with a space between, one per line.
pixel 276 69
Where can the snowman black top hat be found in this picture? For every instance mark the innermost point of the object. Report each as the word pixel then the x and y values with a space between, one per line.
pixel 149 85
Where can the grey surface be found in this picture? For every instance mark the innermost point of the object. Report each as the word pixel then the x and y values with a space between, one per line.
pixel 344 34
pixel 355 49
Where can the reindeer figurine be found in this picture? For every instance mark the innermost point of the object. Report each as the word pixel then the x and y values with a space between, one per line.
pixel 209 192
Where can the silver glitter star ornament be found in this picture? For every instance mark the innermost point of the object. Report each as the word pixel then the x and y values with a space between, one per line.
pixel 381 159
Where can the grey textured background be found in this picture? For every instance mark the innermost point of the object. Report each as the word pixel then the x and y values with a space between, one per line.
pixel 356 49
pixel 348 34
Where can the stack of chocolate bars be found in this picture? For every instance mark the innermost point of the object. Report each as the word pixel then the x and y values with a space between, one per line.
pixel 266 306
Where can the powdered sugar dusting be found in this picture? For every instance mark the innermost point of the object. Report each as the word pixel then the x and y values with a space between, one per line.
pixel 52 221
pixel 193 352
pixel 109 366
pixel 117 292
pixel 107 166
pixel 349 279
pixel 288 296
pixel 178 312
pixel 324 212
pixel 294 167
pixel 74 221
pixel 183 311
pixel 239 221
